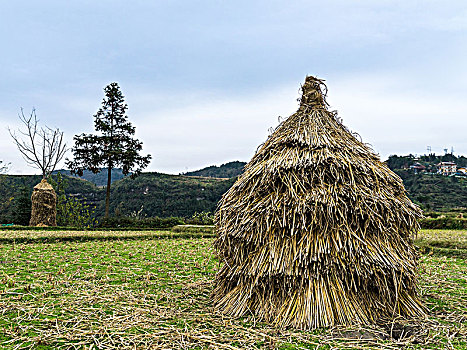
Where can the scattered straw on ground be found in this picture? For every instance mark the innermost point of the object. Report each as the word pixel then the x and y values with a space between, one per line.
pixel 155 293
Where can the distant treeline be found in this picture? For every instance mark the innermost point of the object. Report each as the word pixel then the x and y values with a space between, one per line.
pixel 160 195
pixel 430 161
pixel 14 188
pixel 226 171
pixel 99 179
pixel 148 195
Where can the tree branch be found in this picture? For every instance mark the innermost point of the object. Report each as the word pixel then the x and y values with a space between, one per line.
pixel 41 148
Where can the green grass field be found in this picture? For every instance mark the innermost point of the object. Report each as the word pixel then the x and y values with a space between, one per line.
pixel 127 290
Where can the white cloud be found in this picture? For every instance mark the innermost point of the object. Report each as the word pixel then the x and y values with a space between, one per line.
pixel 211 130
pixel 399 121
pixel 204 82
pixel 189 131
pixel 453 23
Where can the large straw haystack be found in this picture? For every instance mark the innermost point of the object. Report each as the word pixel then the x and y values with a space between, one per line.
pixel 317 231
pixel 44 205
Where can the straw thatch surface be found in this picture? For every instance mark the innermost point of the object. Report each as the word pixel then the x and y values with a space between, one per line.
pixel 317 231
pixel 44 205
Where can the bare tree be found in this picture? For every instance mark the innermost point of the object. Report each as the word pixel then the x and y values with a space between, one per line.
pixel 41 148
pixel 3 167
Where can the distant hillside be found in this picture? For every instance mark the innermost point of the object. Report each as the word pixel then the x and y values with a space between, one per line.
pixel 428 189
pixel 99 179
pixel 157 194
pixel 182 195
pixel 167 195
pixel 435 192
pixel 225 171
pixel 10 187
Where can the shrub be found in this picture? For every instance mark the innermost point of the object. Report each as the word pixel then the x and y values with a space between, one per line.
pixel 70 211
pixel 203 218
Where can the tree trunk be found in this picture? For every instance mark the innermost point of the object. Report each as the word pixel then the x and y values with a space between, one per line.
pixel 107 195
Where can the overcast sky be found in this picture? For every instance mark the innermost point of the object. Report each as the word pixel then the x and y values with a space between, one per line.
pixel 205 80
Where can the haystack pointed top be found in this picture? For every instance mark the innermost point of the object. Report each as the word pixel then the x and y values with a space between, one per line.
pixel 43 185
pixel 313 93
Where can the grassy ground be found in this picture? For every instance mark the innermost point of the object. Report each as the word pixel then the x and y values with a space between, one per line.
pixel 151 290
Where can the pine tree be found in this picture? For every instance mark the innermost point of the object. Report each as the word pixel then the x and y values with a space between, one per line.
pixel 113 147
pixel 22 213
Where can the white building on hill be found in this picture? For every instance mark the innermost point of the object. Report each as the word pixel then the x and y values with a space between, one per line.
pixel 447 168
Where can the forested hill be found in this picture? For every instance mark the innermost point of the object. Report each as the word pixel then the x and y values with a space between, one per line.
pixel 167 195
pixel 428 189
pixel 156 194
pixel 99 179
pixel 227 170
pixel 13 186
pixel 430 161
pixel 153 194
pixel 435 192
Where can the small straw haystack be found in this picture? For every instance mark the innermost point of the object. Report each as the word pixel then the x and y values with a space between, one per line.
pixel 44 205
pixel 317 231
